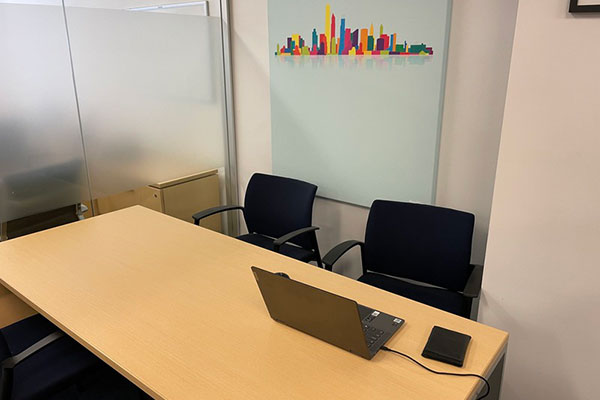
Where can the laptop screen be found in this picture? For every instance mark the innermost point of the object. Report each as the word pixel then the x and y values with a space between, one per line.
pixel 324 315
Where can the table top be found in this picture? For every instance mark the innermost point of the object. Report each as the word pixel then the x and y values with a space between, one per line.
pixel 175 308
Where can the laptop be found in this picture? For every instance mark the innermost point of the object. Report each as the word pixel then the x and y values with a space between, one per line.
pixel 334 319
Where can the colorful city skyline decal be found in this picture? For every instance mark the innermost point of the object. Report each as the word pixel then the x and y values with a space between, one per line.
pixel 350 42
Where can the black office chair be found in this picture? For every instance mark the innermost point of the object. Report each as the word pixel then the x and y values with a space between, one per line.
pixel 38 361
pixel 278 214
pixel 427 245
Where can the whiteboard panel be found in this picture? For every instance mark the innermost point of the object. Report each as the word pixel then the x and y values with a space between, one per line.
pixel 360 126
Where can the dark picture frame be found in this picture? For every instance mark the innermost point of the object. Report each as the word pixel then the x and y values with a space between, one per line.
pixel 575 7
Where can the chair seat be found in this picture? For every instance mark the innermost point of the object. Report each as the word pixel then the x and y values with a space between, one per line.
pixel 287 249
pixel 48 370
pixel 439 298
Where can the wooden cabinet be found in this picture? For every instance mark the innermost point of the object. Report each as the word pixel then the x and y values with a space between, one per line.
pixel 179 198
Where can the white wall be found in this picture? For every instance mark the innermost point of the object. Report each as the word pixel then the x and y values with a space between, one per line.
pixel 251 95
pixel 479 55
pixel 542 274
pixel 478 63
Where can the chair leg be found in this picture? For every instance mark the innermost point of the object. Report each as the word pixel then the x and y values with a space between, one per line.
pixel 319 263
pixel 316 249
pixel 6 383
pixel 474 309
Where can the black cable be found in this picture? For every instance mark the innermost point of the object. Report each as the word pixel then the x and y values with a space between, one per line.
pixel 487 384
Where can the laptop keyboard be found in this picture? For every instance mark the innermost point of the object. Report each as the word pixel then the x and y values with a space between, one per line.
pixel 372 334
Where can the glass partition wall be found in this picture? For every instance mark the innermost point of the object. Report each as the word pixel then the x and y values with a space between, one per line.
pixel 106 104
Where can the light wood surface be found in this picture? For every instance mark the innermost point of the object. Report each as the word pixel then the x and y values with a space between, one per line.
pixel 184 199
pixel 184 179
pixel 181 316
pixel 144 196
pixel 12 309
pixel 180 198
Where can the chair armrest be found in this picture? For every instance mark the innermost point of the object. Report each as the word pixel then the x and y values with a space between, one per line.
pixel 334 254
pixel 212 211
pixel 473 286
pixel 8 365
pixel 13 361
pixel 277 243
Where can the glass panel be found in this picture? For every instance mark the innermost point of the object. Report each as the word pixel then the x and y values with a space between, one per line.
pixel 42 164
pixel 150 89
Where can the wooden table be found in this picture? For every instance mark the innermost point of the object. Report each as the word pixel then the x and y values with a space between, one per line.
pixel 180 315
pixel 12 309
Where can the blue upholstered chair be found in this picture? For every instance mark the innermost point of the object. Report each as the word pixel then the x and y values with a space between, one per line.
pixel 418 251
pixel 38 361
pixel 278 214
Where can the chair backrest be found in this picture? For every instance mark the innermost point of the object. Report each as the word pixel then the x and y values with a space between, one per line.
pixel 14 339
pixel 420 242
pixel 4 350
pixel 275 205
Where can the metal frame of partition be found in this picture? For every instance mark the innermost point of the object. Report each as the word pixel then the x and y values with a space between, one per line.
pixel 85 159
pixel 231 177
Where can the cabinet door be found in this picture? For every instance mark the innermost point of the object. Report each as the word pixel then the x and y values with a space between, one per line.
pixel 184 199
